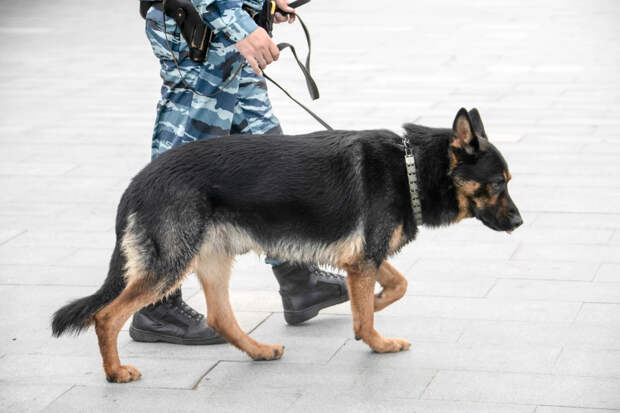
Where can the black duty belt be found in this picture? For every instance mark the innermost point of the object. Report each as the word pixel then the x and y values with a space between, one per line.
pixel 198 37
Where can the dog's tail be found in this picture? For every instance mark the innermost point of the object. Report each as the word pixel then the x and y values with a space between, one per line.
pixel 78 314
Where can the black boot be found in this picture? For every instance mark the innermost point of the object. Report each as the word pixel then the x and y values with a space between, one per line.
pixel 305 290
pixel 172 321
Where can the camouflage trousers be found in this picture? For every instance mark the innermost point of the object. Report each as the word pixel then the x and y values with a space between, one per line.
pixel 243 106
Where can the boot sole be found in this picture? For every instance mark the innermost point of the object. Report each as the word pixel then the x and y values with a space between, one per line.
pixel 144 336
pixel 299 316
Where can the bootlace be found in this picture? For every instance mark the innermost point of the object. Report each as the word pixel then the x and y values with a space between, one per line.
pixel 325 275
pixel 188 311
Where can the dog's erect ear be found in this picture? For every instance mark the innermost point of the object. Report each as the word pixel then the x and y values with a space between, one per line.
pixel 476 122
pixel 464 136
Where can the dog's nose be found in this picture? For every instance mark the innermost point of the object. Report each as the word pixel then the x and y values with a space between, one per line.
pixel 516 221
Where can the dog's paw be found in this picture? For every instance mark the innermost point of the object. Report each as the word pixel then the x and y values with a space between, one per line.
pixel 124 374
pixel 391 345
pixel 268 352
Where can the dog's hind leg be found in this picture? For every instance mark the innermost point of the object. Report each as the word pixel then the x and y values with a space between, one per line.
pixel 109 321
pixel 394 286
pixel 213 271
pixel 361 282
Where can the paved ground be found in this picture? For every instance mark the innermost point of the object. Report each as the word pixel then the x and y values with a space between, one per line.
pixel 527 323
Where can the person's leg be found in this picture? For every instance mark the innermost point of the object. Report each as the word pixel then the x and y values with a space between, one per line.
pixel 305 289
pixel 183 116
pixel 253 113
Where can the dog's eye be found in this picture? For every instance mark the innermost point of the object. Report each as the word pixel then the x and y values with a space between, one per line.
pixel 497 187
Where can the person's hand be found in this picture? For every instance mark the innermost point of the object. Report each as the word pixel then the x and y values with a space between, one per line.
pixel 258 49
pixel 280 18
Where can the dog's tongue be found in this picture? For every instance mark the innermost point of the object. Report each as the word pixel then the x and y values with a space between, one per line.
pixel 508 232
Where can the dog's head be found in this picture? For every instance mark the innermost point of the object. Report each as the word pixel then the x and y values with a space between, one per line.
pixel 480 175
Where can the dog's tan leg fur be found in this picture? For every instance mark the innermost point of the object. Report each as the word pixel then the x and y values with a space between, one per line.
pixel 214 274
pixel 361 282
pixel 394 286
pixel 109 321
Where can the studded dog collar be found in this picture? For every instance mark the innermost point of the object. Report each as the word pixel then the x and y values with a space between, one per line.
pixel 416 206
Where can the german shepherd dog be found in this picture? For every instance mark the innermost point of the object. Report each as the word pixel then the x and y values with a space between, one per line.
pixel 337 198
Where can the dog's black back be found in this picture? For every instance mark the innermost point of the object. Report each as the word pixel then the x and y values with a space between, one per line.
pixel 317 186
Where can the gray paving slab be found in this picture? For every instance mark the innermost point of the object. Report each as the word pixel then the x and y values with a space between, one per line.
pixel 29 274
pixel 557 290
pixel 86 256
pixel 30 397
pixel 608 273
pixel 483 309
pixel 531 234
pixel 589 363
pixel 315 402
pixel 580 253
pixel 47 238
pixel 477 287
pixel 131 399
pixel 327 325
pixel 509 334
pixel 464 270
pixel 442 356
pixel 357 381
pixel 46 369
pixel 425 248
pixel 560 409
pixel 7 235
pixel 574 391
pixel 600 313
pixel 556 180
pixel 577 220
pixel 26 209
pixel 10 254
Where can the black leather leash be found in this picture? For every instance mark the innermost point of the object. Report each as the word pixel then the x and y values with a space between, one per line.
pixel 311 113
pixel 305 69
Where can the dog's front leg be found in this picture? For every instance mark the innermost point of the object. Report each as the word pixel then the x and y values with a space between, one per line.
pixel 361 282
pixel 393 283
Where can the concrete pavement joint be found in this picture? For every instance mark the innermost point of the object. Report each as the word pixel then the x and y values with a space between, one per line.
pixel 62 394
pixel 13 237
pixel 486 294
pixel 260 323
pixel 598 269
pixel 204 376
pixel 338 349
pixel 557 358
pixel 421 395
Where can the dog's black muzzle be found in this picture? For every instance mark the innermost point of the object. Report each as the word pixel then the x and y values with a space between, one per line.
pixel 500 219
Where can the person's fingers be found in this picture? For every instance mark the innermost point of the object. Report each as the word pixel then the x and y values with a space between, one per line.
pixel 275 52
pixel 267 57
pixel 254 65
pixel 291 18
pixel 261 61
pixel 279 18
